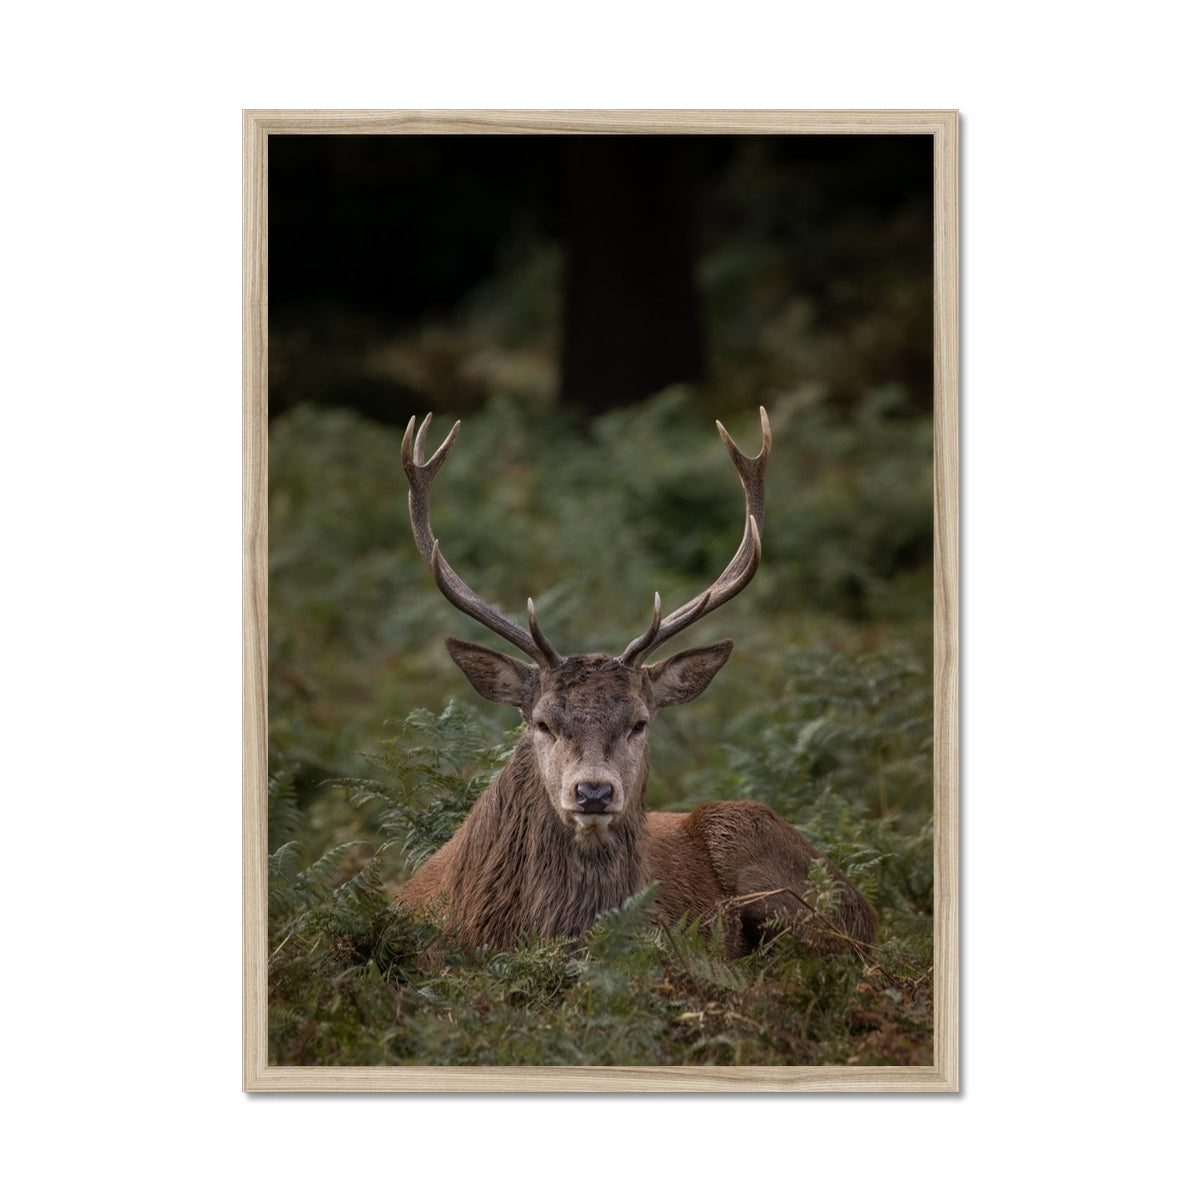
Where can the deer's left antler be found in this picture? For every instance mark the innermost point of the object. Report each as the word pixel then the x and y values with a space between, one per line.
pixel 742 566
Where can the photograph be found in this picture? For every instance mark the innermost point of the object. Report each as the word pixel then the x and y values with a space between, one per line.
pixel 601 639
pixel 601 599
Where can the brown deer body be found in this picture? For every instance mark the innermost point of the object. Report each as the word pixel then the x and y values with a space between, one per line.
pixel 562 833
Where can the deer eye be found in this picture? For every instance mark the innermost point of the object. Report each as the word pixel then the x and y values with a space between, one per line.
pixel 636 728
pixel 542 727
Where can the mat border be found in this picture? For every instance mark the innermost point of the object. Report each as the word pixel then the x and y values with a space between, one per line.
pixel 258 125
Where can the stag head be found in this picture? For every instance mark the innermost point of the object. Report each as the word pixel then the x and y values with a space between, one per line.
pixel 588 715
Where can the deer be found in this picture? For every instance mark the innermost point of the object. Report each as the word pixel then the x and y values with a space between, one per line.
pixel 562 833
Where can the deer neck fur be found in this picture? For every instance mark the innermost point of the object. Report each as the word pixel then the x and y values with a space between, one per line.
pixel 518 868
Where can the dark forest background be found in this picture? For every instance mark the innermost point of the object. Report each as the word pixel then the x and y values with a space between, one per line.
pixel 430 271
pixel 587 306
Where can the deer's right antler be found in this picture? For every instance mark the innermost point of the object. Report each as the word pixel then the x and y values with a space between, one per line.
pixel 420 472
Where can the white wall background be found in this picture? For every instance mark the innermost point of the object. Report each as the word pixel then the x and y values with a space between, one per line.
pixel 121 502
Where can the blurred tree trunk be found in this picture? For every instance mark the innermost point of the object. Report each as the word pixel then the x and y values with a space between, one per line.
pixel 632 319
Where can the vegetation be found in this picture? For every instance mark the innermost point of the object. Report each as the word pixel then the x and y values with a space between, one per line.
pixel 355 980
pixel 824 713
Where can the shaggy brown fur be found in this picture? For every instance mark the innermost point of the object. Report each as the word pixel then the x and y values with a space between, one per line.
pixel 518 865
pixel 514 868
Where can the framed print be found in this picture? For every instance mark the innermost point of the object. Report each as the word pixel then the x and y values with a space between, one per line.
pixel 624 755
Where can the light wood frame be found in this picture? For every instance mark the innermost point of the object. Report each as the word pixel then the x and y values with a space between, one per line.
pixel 258 126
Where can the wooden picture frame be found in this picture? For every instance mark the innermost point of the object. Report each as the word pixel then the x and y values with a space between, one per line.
pixel 943 1076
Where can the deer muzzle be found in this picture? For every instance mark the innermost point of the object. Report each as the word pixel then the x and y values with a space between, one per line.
pixel 593 798
pixel 591 805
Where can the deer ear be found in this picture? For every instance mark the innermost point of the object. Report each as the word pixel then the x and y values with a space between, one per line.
pixel 683 677
pixel 494 676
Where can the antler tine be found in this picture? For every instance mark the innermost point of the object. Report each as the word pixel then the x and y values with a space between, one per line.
pixel 638 645
pixel 552 655
pixel 741 568
pixel 420 472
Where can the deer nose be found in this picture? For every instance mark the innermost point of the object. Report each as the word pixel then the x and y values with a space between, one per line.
pixel 593 797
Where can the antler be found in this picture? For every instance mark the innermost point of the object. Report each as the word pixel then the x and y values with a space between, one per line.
pixel 420 472
pixel 741 568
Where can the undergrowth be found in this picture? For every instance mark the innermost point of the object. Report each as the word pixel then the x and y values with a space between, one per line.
pixel 823 712
pixel 355 980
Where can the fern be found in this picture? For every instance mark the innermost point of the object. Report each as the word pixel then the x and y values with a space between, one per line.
pixel 355 980
pixel 284 818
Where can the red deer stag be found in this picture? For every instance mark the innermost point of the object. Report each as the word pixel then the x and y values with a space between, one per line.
pixel 562 833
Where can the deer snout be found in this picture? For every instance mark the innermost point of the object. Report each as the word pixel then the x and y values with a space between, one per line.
pixel 593 797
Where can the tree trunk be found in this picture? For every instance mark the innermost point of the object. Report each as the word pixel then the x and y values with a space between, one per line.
pixel 631 320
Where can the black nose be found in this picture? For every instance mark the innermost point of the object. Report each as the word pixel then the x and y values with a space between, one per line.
pixel 593 797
